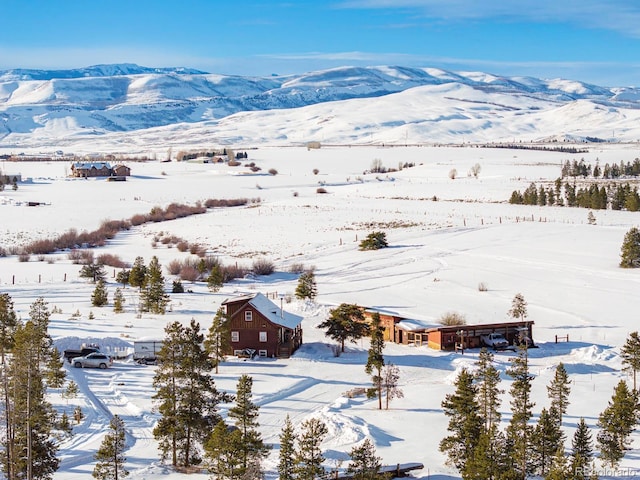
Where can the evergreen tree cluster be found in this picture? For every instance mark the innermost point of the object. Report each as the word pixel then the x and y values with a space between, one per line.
pixel 28 365
pixel 609 171
pixel 301 456
pixel 186 396
pixel 614 196
pixel 479 449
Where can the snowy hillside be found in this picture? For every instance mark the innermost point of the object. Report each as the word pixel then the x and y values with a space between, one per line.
pixel 446 237
pixel 343 105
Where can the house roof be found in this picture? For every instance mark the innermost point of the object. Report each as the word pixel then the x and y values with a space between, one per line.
pixel 482 326
pixel 413 325
pixel 89 165
pixel 268 309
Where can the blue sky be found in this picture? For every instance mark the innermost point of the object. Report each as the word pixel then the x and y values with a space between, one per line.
pixel 589 40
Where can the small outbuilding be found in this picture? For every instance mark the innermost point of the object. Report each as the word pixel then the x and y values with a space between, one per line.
pixel 469 336
pixel 408 331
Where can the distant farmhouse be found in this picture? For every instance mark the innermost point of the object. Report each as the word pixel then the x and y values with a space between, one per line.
pixel 99 169
pixel 256 323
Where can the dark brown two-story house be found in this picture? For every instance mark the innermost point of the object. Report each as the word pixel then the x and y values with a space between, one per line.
pixel 257 323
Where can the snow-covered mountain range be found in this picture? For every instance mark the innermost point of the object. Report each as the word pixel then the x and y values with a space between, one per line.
pixel 104 104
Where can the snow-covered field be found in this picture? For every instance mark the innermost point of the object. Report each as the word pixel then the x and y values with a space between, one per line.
pixel 446 237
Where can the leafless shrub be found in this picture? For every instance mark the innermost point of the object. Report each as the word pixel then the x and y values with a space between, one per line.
pixel 273 171
pixel 296 268
pixel 482 287
pixel 111 260
pixel 40 247
pixel 453 173
pixel 262 266
pixel 80 257
pixel 189 273
pixel 41 258
pixel 182 246
pixel 316 171
pixel 450 319
pixel 174 267
pixel 3 252
pixel 231 272
pixel 24 257
pixel 193 248
pixel 321 190
pixel 138 219
pixel 234 202
pixel 295 194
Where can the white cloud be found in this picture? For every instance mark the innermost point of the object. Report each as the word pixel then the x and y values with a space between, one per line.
pixel 618 15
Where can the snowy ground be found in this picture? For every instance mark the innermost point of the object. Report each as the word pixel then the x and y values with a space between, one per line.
pixel 441 249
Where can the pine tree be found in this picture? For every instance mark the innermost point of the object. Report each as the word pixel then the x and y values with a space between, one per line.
pixel 215 280
pixel 519 430
pixel 309 457
pixel 30 451
pixel 307 286
pixel 118 301
pixel 286 455
pixel 186 395
pixel 8 326
pixel 152 295
pixel 630 354
pixel 138 273
pixel 375 359
pixel 223 450
pixel 559 468
pixel 245 413
pixel 616 423
pixel 365 464
pixel 64 424
pixel 546 439
pixel 345 322
pixel 487 379
pixel 558 391
pixel 217 341
pixel 110 456
pixel 99 297
pixel 582 450
pixel 374 241
pixel 71 391
pixel 93 271
pixel 390 378
pixel 465 424
pixel 123 277
pixel 630 250
pixel 54 370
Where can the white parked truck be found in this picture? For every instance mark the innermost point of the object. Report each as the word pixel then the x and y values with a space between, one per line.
pixel 146 351
pixel 495 341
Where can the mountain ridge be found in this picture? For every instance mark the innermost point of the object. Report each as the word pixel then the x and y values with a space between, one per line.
pixel 42 106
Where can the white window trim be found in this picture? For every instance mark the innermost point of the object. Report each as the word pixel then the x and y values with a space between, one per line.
pixel 262 353
pixel 235 336
pixel 263 336
pixel 248 316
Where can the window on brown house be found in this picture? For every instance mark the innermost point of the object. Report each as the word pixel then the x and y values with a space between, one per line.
pixel 263 336
pixel 235 336
pixel 248 316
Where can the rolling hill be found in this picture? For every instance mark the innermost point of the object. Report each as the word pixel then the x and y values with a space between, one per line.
pixel 104 104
